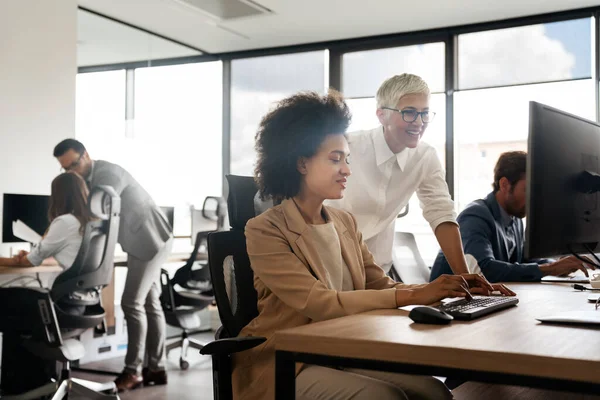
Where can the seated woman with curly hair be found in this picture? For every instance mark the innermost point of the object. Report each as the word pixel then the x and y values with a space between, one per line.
pixel 310 262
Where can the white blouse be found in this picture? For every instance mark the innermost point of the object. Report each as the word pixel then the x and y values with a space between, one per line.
pixel 382 183
pixel 62 241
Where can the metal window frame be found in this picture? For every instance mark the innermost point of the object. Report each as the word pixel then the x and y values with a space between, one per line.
pixel 337 48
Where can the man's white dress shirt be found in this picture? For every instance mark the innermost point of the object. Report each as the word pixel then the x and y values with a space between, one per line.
pixel 382 183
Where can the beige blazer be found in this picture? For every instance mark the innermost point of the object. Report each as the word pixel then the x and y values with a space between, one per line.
pixel 294 287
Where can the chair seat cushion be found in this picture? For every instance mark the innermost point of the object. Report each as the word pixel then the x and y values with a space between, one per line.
pixel 192 299
pixel 202 286
pixel 195 296
pixel 184 317
pixel 70 350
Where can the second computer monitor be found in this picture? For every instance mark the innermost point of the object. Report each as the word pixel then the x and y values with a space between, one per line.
pixel 562 149
pixel 170 214
pixel 30 209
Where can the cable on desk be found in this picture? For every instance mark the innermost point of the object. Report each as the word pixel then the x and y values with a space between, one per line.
pixel 582 288
pixel 587 261
pixel 588 248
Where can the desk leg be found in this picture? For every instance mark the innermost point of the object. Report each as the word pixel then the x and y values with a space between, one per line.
pixel 285 376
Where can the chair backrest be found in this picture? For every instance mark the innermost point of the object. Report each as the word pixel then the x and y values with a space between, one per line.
pixel 413 269
pixel 231 274
pixel 404 211
pixel 210 218
pixel 93 267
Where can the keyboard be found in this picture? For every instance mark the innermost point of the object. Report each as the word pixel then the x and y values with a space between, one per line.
pixel 478 307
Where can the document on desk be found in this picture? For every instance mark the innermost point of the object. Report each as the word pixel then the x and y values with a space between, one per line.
pixel 573 317
pixel 566 279
pixel 22 231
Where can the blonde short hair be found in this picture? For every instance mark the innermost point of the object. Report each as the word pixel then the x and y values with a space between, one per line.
pixel 393 89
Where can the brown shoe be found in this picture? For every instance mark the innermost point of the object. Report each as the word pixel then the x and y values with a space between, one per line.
pixel 154 377
pixel 126 381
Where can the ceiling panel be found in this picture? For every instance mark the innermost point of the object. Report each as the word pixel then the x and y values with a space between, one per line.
pixel 307 21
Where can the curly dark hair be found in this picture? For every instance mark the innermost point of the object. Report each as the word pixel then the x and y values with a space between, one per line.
pixel 295 128
pixel 511 165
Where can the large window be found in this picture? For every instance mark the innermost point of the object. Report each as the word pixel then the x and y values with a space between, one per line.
pixel 177 138
pixel 527 54
pixel 363 73
pixel 256 84
pixel 171 142
pixel 488 122
pixel 166 127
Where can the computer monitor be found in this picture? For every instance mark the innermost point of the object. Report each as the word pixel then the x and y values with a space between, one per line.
pixel 210 218
pixel 563 180
pixel 170 214
pixel 31 209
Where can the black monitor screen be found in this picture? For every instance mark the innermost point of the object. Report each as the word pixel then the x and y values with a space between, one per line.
pixel 561 217
pixel 31 209
pixel 170 214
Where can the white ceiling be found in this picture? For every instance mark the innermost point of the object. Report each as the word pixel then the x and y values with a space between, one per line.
pixel 306 21
pixel 101 41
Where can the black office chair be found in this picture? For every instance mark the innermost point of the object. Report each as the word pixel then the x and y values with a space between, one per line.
pixel 190 290
pixel 48 321
pixel 233 283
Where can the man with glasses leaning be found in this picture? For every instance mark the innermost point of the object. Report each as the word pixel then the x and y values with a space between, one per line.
pixel 145 235
pixel 389 164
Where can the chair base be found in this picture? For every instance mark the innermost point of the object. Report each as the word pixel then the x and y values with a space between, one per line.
pixel 87 389
pixel 184 342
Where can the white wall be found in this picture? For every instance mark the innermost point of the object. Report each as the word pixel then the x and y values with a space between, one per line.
pixel 38 65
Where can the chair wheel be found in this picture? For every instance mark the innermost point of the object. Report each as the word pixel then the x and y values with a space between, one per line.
pixel 183 364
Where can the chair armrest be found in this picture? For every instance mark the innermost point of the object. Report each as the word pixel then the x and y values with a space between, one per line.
pixel 223 347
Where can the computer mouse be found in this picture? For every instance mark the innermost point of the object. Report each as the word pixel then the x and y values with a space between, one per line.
pixel 430 315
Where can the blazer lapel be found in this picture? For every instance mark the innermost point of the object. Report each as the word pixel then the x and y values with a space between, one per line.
pixel 495 208
pixel 305 242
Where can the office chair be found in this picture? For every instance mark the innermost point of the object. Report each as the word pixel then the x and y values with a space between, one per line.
pixel 48 321
pixel 210 218
pixel 411 273
pixel 190 290
pixel 417 271
pixel 233 283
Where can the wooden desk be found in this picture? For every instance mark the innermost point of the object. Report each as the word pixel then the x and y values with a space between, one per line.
pixel 508 347
pixel 121 260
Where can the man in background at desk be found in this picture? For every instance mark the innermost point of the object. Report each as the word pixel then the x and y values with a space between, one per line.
pixel 493 235
pixel 145 235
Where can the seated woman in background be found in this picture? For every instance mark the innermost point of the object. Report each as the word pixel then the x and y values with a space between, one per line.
pixel 310 262
pixel 68 214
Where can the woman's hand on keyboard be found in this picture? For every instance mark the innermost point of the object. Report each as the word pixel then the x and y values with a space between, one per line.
pixel 475 286
pixel 498 287
pixel 441 288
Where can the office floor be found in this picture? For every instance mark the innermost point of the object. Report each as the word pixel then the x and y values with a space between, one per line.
pixel 195 383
